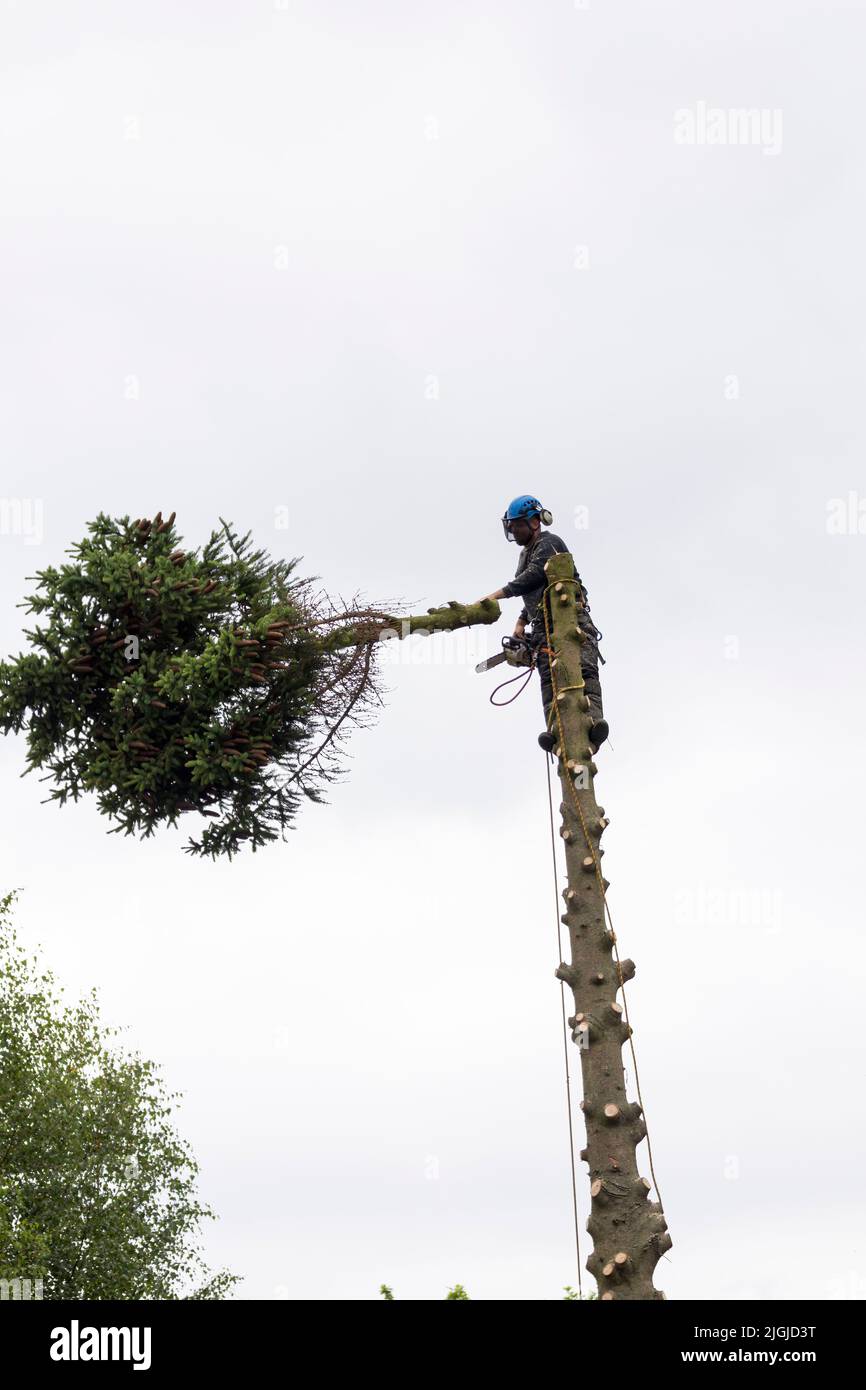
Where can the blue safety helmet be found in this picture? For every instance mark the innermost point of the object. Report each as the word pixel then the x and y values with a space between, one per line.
pixel 523 509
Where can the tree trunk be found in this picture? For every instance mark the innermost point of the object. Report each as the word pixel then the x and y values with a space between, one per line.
pixel 629 1232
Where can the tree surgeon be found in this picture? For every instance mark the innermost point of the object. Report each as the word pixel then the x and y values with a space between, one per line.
pixel 522 523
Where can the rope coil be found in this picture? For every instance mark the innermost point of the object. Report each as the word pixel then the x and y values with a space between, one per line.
pixel 500 704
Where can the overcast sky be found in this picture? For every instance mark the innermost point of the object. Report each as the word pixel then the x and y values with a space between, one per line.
pixel 377 268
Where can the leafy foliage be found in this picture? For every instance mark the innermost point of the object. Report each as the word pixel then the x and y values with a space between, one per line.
pixel 458 1292
pixel 168 681
pixel 97 1192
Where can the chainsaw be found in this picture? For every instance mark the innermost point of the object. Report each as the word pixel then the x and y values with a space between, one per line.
pixel 515 650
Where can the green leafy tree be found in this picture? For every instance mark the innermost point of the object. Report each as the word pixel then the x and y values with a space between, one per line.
pixel 217 681
pixel 458 1292
pixel 97 1191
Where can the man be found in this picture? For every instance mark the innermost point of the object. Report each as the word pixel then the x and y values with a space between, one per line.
pixel 522 523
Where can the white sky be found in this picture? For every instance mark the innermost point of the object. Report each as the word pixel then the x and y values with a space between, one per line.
pixel 329 257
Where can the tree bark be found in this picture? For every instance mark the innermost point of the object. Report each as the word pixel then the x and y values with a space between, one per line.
pixel 451 615
pixel 629 1232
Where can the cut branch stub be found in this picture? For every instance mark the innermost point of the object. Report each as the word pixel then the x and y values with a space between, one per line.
pixel 608 1189
pixel 626 969
pixel 583 1032
pixel 616 1266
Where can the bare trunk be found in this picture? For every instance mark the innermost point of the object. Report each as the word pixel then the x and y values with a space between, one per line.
pixel 629 1232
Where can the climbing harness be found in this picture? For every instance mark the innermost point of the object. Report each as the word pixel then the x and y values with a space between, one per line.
pixel 563 753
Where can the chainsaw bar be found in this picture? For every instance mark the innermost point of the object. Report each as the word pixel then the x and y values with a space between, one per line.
pixel 509 646
pixel 490 662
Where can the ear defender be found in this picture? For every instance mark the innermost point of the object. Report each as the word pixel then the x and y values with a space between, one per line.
pixel 546 517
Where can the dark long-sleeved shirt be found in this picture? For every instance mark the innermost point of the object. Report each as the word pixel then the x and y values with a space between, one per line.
pixel 530 580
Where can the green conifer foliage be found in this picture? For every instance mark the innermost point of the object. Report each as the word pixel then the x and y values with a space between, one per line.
pixel 166 680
